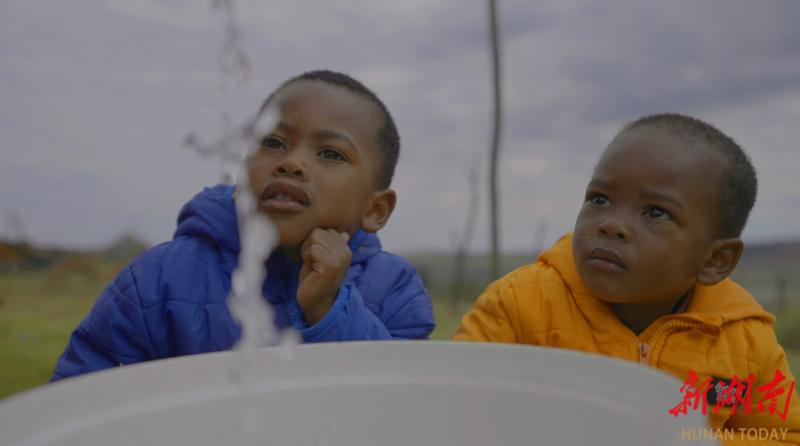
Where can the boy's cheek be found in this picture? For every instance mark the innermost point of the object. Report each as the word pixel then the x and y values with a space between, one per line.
pixel 257 171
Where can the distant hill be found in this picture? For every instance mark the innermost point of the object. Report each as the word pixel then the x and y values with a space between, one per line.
pixel 758 259
pixel 16 256
pixel 772 255
pixel 124 249
pixel 781 256
pixel 23 256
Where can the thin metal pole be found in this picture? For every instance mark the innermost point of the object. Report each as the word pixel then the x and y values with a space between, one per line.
pixel 494 204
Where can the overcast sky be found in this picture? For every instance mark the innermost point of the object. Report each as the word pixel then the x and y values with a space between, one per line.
pixel 96 98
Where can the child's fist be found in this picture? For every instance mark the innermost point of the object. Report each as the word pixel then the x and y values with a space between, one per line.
pixel 326 259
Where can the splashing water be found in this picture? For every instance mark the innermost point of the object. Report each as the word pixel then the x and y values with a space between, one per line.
pixel 233 59
pixel 257 236
pixel 256 239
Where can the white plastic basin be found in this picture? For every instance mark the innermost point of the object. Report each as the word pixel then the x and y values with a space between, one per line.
pixel 361 393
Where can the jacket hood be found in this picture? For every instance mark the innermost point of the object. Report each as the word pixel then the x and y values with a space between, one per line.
pixel 211 214
pixel 710 305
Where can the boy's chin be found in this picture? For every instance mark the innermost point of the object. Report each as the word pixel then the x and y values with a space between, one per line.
pixel 613 298
pixel 607 295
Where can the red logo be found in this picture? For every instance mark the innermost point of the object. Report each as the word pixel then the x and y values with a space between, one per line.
pixel 733 393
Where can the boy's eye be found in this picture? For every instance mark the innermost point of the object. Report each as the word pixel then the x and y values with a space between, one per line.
pixel 332 155
pixel 271 142
pixel 598 199
pixel 658 213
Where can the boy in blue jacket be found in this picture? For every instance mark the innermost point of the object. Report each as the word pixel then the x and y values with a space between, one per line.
pixel 322 176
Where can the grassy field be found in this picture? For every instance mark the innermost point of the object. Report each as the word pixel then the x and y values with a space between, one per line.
pixel 36 318
pixel 38 313
pixel 39 310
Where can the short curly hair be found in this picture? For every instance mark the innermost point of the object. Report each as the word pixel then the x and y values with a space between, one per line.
pixel 738 188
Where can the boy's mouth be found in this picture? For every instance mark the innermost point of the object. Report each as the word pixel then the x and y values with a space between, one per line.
pixel 606 259
pixel 283 196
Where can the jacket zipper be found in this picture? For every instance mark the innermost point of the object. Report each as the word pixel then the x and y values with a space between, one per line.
pixel 646 347
pixel 644 352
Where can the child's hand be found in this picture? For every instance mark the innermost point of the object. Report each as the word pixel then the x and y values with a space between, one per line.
pixel 326 259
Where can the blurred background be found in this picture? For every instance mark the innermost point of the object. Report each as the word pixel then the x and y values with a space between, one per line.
pixel 97 97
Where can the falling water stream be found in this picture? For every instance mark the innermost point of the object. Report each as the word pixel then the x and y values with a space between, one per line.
pixel 257 236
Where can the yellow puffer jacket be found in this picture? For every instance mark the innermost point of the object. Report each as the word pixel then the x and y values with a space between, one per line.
pixel 723 332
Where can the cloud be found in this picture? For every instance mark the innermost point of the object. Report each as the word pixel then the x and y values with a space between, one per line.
pixel 96 97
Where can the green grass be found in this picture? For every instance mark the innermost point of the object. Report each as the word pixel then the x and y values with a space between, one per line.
pixel 447 318
pixel 794 362
pixel 38 311
pixel 448 312
pixel 36 319
pixel 38 314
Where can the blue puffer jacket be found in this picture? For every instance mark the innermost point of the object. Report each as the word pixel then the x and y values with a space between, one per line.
pixel 170 301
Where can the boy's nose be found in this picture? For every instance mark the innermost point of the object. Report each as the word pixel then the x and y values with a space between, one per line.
pixel 289 166
pixel 613 227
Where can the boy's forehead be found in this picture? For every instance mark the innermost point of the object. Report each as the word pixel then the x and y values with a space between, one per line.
pixel 324 99
pixel 668 159
pixel 317 103
pixel 655 146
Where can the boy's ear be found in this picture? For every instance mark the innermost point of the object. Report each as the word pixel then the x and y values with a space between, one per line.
pixel 725 255
pixel 378 211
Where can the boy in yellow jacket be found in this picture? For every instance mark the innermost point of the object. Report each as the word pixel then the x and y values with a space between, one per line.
pixel 644 277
